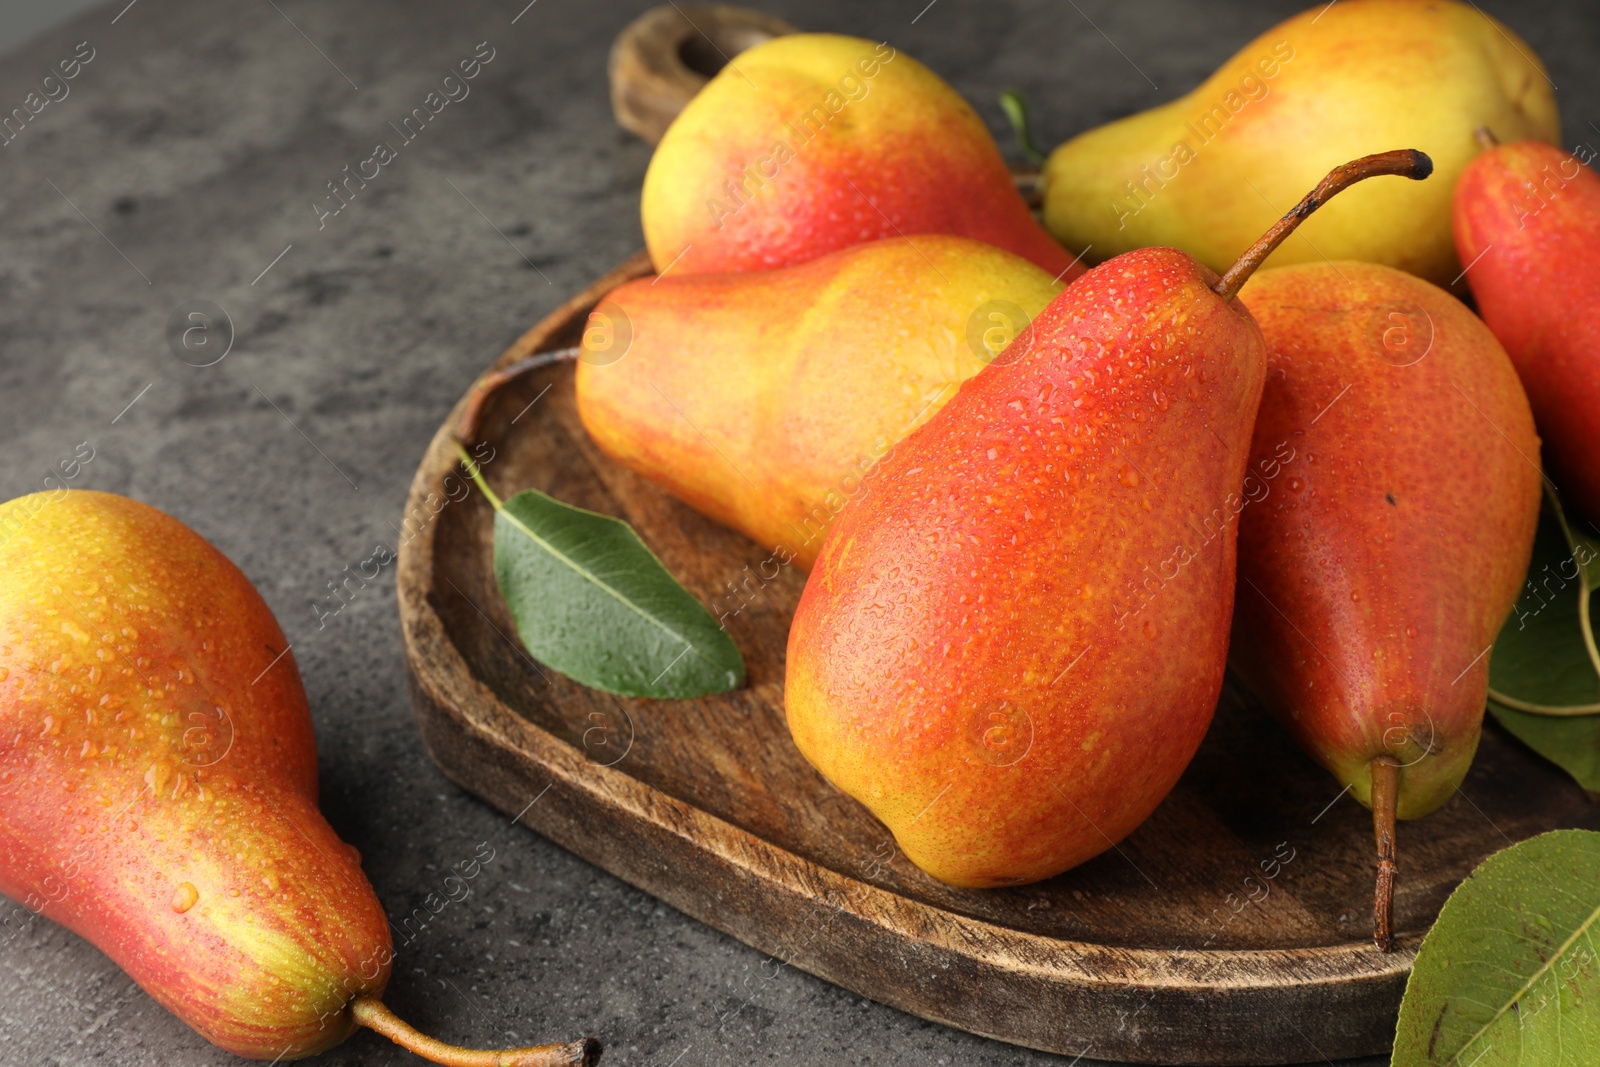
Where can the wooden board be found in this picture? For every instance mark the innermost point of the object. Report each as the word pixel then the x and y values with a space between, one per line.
pixel 1232 927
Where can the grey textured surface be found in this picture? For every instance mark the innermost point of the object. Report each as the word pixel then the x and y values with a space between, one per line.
pixel 195 142
pixel 22 19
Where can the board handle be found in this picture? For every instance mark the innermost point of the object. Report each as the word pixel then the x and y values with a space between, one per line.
pixel 665 56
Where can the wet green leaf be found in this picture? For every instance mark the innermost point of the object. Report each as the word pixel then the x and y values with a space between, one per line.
pixel 593 602
pixel 1509 975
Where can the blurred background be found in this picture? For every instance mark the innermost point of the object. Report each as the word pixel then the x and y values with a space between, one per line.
pixel 21 19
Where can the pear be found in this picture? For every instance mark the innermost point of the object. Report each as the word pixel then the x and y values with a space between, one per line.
pixel 1208 171
pixel 766 399
pixel 158 786
pixel 1394 495
pixel 1014 638
pixel 812 142
pixel 1527 217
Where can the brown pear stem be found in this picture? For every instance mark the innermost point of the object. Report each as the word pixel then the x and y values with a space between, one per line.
pixel 1406 162
pixel 1486 137
pixel 1385 796
pixel 374 1014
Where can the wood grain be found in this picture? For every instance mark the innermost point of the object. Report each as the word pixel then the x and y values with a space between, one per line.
pixel 1232 927
pixel 665 56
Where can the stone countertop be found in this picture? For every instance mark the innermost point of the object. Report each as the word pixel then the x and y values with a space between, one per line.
pixel 183 166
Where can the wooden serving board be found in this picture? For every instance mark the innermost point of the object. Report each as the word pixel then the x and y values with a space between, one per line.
pixel 1232 927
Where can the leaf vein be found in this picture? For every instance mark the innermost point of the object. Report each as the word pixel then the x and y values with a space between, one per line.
pixel 1538 975
pixel 584 572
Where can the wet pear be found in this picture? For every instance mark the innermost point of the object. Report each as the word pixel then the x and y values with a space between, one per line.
pixel 1013 640
pixel 1378 565
pixel 812 142
pixel 158 786
pixel 767 399
pixel 1208 171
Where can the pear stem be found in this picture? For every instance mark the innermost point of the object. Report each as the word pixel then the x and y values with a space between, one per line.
pixel 476 473
pixel 374 1014
pixel 1406 162
pixel 1486 137
pixel 1385 797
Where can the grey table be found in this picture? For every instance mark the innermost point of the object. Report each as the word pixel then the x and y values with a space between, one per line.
pixel 183 165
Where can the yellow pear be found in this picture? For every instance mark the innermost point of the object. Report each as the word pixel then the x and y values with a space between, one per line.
pixel 1209 171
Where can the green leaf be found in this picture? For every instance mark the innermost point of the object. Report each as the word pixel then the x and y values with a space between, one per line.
pixel 1544 674
pixel 1509 976
pixel 1015 105
pixel 1545 660
pixel 1571 744
pixel 593 602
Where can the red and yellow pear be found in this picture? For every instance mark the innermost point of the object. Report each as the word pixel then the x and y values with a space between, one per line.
pixel 1527 219
pixel 812 142
pixel 1014 638
pixel 1377 566
pixel 766 399
pixel 158 787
